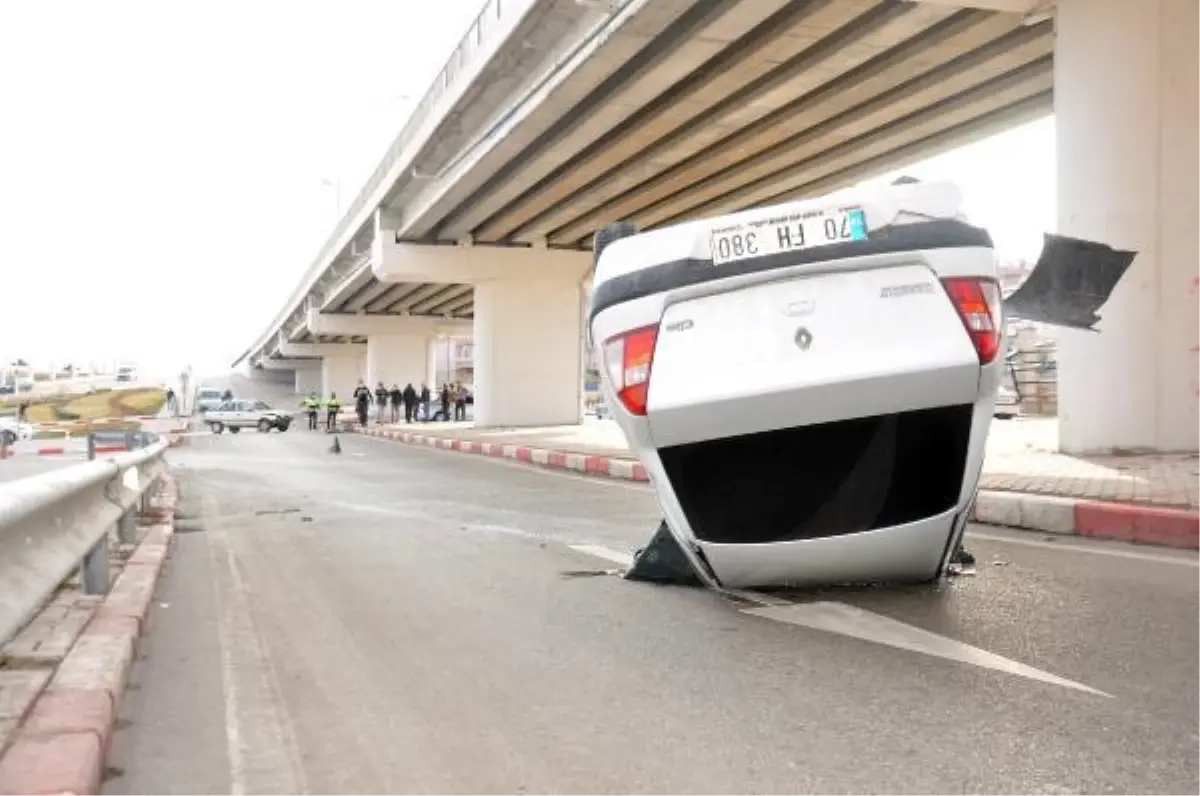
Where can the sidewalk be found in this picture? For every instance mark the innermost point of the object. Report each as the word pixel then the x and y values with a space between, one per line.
pixel 1026 483
pixel 62 676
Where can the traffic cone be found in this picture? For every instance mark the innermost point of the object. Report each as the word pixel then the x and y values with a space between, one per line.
pixel 336 447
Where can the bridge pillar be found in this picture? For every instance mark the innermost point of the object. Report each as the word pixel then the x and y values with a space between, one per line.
pixel 528 368
pixel 341 372
pixel 527 328
pixel 1125 98
pixel 307 378
pixel 397 359
pixel 273 371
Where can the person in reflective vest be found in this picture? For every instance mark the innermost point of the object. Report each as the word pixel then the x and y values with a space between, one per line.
pixel 331 411
pixel 312 405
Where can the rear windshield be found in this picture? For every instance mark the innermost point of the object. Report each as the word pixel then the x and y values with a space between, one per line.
pixel 210 393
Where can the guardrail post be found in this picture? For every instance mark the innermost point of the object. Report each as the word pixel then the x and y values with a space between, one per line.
pixel 127 527
pixel 151 490
pixel 95 568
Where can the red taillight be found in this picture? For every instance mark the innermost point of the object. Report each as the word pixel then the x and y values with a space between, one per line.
pixel 627 358
pixel 978 304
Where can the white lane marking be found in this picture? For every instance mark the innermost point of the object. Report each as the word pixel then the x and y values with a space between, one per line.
pixel 266 747
pixel 757 597
pixel 229 685
pixel 849 620
pixel 624 559
pixel 1087 545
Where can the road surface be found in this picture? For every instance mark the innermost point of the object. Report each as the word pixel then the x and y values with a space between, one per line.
pixel 24 465
pixel 400 619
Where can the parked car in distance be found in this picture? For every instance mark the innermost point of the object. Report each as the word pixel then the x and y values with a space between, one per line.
pixel 208 398
pixel 238 414
pixel 12 430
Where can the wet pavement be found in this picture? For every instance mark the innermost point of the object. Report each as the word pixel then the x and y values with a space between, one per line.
pixel 402 619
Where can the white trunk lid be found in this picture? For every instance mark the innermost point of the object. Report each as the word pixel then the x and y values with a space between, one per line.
pixel 810 349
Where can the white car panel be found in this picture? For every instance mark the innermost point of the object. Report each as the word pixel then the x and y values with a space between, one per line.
pixel 863 351
pixel 882 341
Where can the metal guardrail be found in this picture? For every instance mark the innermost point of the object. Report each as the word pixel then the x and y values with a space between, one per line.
pixel 53 523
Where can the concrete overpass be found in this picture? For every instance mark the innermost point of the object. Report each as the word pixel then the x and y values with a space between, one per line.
pixel 556 116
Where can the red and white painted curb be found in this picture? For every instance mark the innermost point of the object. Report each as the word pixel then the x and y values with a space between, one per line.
pixel 123 419
pixel 1045 513
pixel 62 741
pixel 612 467
pixel 58 450
pixel 1128 522
pixel 80 446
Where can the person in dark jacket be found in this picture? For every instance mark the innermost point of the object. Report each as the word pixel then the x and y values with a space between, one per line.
pixel 397 398
pixel 460 402
pixel 424 398
pixel 445 400
pixel 381 402
pixel 362 402
pixel 410 403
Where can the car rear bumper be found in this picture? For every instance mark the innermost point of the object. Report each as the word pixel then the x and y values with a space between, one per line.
pixel 841 538
pixel 912 552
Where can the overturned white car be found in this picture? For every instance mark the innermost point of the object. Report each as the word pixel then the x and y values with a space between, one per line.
pixel 810 386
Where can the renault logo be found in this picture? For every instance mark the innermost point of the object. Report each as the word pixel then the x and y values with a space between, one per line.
pixel 803 338
pixel 800 308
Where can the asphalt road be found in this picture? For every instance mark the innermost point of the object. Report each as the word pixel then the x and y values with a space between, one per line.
pixel 399 619
pixel 24 465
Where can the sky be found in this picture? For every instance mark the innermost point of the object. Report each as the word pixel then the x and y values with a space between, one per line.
pixel 167 170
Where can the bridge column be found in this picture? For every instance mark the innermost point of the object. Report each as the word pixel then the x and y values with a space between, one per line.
pixel 528 368
pixel 1125 78
pixel 396 359
pixel 272 372
pixel 340 372
pixel 431 364
pixel 307 378
pixel 527 325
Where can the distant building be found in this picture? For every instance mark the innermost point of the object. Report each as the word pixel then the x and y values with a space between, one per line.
pixel 455 361
pixel 1012 274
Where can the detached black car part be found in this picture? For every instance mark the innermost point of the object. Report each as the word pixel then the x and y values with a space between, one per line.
pixel 1071 281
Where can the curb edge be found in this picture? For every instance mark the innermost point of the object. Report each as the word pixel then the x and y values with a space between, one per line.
pixel 62 744
pixel 1096 519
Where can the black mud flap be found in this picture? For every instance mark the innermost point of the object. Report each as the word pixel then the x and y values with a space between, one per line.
pixel 1071 281
pixel 663 561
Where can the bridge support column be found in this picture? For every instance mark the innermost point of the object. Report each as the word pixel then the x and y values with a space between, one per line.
pixel 397 359
pixel 431 365
pixel 1125 92
pixel 307 378
pixel 528 368
pixel 340 373
pixel 273 372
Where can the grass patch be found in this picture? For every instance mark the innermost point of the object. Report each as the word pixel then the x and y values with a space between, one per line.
pixel 89 407
pixel 147 401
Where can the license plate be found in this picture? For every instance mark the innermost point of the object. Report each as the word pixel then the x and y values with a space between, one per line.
pixel 795 232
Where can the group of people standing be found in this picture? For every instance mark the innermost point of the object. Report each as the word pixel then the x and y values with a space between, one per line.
pixel 416 405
